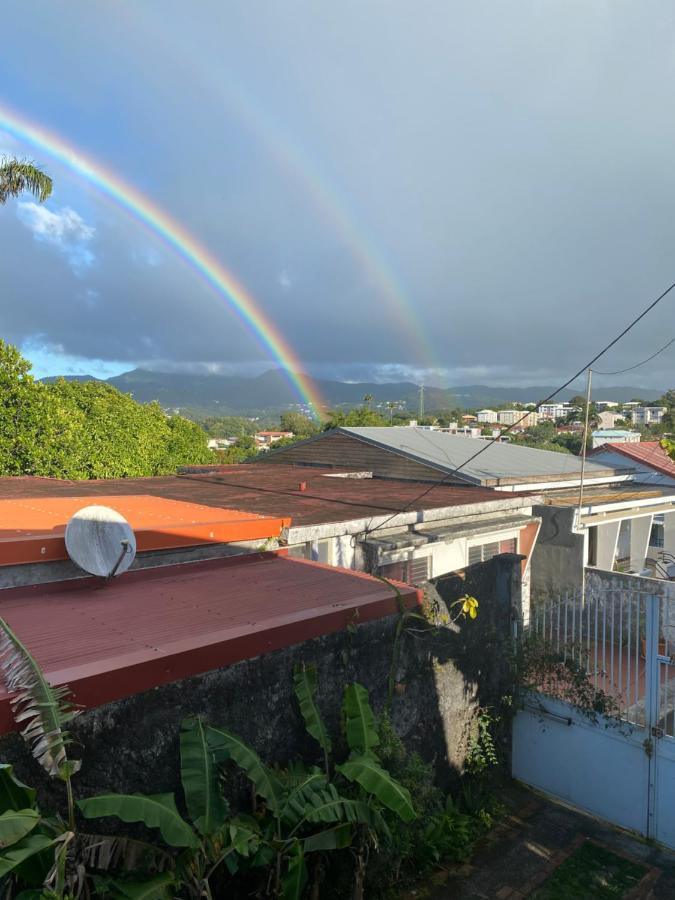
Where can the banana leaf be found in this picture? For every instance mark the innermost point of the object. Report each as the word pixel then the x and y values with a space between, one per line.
pixel 294 880
pixel 19 853
pixel 16 824
pixel 359 720
pixel 14 794
pixel 157 811
pixel 375 780
pixel 304 682
pixel 206 805
pixel 226 745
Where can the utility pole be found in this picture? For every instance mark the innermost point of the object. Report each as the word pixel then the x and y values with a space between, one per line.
pixel 581 483
pixel 421 402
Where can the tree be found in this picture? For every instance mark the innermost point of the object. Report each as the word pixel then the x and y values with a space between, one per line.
pixel 301 426
pixel 18 176
pixel 368 400
pixel 360 417
pixel 84 430
pixel 21 413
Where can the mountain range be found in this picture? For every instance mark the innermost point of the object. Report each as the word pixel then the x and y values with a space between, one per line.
pixel 271 392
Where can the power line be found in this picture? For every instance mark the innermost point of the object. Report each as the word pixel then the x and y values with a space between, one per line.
pixel 637 365
pixel 494 440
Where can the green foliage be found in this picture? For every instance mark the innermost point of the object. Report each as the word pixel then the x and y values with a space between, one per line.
pixel 482 751
pixel 158 811
pixel 81 430
pixel 304 682
pixel 19 176
pixel 360 417
pixel 206 805
pixel 301 426
pixel 360 728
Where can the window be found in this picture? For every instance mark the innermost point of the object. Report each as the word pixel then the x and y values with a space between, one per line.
pixel 656 536
pixel 483 552
pixel 592 546
pixel 411 571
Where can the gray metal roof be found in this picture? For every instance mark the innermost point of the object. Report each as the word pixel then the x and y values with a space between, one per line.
pixel 501 462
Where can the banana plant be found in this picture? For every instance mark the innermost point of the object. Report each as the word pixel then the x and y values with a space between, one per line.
pixel 303 811
pixel 206 841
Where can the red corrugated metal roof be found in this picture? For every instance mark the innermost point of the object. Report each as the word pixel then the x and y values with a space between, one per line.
pixel 152 627
pixel 32 529
pixel 272 490
pixel 651 453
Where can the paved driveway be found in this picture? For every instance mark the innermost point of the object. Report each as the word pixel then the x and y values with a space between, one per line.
pixel 532 839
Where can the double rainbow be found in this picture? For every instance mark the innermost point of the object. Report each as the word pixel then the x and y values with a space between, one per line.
pixel 144 210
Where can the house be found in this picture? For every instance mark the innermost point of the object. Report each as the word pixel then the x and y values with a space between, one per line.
pixel 612 529
pixel 651 463
pixel 614 436
pixel 644 416
pixel 333 516
pixel 267 438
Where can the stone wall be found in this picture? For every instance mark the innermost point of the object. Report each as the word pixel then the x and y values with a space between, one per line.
pixel 442 675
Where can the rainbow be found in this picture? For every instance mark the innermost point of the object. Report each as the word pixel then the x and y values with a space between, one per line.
pixel 297 163
pixel 155 219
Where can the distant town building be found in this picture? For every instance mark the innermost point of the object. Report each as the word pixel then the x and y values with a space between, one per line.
pixel 643 416
pixel 614 436
pixel 553 410
pixel 265 438
pixel 608 419
pixel 489 416
pixel 511 416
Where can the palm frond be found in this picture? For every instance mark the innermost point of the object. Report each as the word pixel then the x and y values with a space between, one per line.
pixel 44 710
pixel 18 176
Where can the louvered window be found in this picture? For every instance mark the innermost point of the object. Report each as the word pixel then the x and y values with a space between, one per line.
pixel 410 571
pixel 483 552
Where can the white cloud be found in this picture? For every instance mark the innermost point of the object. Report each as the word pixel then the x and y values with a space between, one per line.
pixel 64 229
pixel 284 280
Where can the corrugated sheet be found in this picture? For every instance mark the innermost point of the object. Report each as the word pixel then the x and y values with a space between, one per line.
pixel 499 462
pixel 109 641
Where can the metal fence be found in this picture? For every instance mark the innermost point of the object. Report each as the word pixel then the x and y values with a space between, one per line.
pixel 599 644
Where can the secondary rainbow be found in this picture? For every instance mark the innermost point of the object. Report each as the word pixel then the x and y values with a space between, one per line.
pixel 145 211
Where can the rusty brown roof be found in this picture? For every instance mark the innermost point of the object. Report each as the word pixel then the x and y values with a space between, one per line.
pixel 267 490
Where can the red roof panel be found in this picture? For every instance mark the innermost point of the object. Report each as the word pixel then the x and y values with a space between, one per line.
pixel 151 627
pixel 650 453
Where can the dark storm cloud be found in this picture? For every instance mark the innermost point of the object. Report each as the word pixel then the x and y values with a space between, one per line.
pixel 509 164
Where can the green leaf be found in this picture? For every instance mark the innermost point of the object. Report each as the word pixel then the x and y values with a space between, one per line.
pixel 199 773
pixel 331 807
pixel 304 682
pixel 296 801
pixel 156 811
pixel 18 853
pixel 16 824
pixel 158 888
pixel 14 794
pixel 359 719
pixel 226 745
pixel 294 881
pixel 365 770
pixel 331 839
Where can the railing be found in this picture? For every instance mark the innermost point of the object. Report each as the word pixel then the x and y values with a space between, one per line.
pixel 594 654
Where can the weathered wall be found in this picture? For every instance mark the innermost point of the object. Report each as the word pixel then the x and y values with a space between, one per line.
pixel 442 674
pixel 559 555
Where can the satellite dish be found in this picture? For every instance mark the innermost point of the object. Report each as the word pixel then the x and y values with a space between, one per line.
pixel 100 541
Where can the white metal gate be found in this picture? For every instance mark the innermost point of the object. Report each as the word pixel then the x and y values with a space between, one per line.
pixel 597 730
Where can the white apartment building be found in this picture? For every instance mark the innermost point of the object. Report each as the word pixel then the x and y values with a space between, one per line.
pixel 553 410
pixel 487 416
pixel 608 419
pixel 511 416
pixel 642 416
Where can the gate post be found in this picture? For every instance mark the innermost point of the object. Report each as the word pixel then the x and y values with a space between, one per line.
pixel 652 691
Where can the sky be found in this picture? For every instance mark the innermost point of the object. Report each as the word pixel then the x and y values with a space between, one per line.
pixel 454 192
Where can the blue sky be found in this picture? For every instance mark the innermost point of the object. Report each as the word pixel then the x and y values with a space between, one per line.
pixel 508 165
